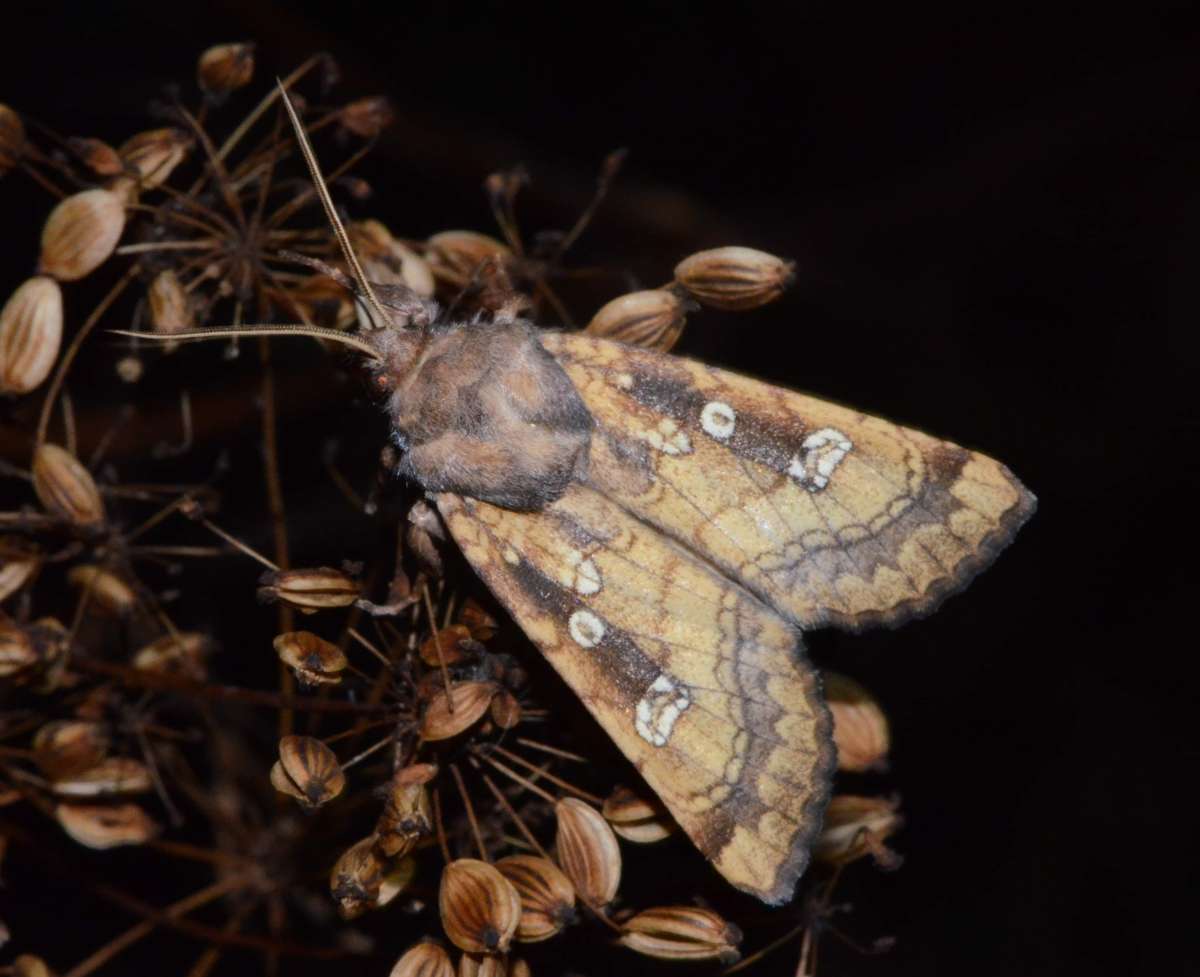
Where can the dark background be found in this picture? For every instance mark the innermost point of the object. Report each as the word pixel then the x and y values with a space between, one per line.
pixel 993 216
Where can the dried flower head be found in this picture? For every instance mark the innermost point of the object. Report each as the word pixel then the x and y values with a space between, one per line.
pixel 860 728
pixel 653 319
pixel 309 590
pixel 104 826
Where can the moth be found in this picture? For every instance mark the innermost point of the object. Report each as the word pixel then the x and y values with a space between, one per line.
pixel 665 532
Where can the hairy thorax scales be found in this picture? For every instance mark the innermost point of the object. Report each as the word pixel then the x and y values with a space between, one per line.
pixel 481 409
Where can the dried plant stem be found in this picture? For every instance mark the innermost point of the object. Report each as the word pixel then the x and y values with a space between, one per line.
pixel 181 849
pixel 209 958
pixel 552 750
pixel 557 781
pixel 441 827
pixel 523 781
pixel 437 644
pixel 374 748
pixel 147 926
pixel 68 357
pixel 470 809
pixel 512 814
pixel 236 543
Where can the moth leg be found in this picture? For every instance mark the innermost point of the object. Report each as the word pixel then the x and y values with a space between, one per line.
pixel 485 470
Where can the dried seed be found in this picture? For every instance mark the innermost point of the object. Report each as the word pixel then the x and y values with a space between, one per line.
pixel 482 965
pixel 12 138
pixel 170 306
pixel 115 775
pixel 480 909
pixel 406 815
pixel 50 640
pixel 31 326
pixel 20 561
pixel 80 234
pixel 482 625
pixel 356 879
pixel 455 643
pixel 653 319
pixel 636 818
pixel 424 959
pixel 389 261
pixel 224 68
pixel 97 155
pixel 856 826
pixel 27 965
pixel 17 653
pixel 505 710
pixel 309 590
pixel 367 117
pixel 307 770
pixel 547 896
pixel 734 277
pixel 860 729
pixel 455 256
pixel 153 155
pixel 448 715
pixel 181 653
pixel 397 877
pixel 66 747
pixel 103 826
pixel 107 591
pixel 314 660
pixel 681 933
pixel 587 851
pixel 65 487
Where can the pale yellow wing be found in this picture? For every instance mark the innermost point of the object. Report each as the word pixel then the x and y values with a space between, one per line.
pixel 699 683
pixel 829 515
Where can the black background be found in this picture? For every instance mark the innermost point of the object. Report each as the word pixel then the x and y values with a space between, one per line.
pixel 993 218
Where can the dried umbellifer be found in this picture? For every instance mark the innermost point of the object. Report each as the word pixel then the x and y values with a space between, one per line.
pixel 389 261
pixel 80 233
pixel 12 138
pixel 66 747
pixel 505 710
pixel 356 879
pixel 103 826
pixel 479 907
pixel 453 644
pixel 587 851
pixel 20 561
pixel 398 876
pixel 31 326
pixel 114 775
pixel 314 660
pixel 177 653
pixel 681 933
pixel 27 965
pixel 424 959
pixel 307 770
pixel 17 653
pixel 320 300
pixel 856 826
pixel 860 729
pixel 154 154
pixel 482 625
pixel 455 256
pixel 406 815
pixel 65 488
pixel 734 277
pixel 638 819
pixel 105 589
pixel 482 965
pixel 309 590
pixel 448 715
pixel 367 117
pixel 97 155
pixel 170 306
pixel 547 896
pixel 653 319
pixel 224 68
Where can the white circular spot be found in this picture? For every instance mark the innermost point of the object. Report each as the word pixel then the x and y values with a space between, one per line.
pixel 586 629
pixel 718 419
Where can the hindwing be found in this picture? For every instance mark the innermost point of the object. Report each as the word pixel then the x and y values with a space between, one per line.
pixel 703 686
pixel 829 515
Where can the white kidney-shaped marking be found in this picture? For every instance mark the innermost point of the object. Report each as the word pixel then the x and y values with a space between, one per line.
pixel 660 707
pixel 585 576
pixel 587 629
pixel 823 452
pixel 718 420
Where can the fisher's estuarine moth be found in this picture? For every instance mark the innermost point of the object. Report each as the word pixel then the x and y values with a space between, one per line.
pixel 665 532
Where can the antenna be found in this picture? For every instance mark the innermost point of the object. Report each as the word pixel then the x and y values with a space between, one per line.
pixel 310 158
pixel 316 332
